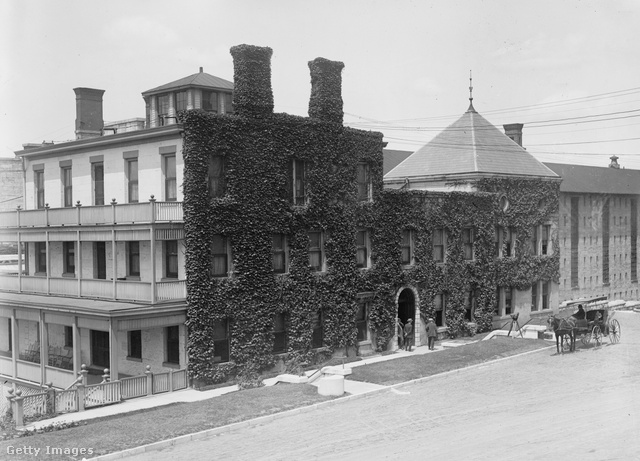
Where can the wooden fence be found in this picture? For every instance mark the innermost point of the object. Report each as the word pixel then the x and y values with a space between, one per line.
pixel 80 396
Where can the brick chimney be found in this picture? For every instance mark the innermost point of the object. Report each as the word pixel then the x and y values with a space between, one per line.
pixel 252 93
pixel 514 131
pixel 326 90
pixel 89 121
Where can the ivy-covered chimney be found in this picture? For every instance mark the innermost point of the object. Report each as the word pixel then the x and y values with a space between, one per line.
pixel 326 90
pixel 252 93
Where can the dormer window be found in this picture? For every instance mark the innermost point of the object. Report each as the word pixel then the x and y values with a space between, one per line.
pixel 163 108
pixel 181 100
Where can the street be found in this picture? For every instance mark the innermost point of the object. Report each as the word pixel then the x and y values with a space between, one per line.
pixel 584 405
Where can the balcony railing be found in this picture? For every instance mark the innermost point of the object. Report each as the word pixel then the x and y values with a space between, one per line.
pixel 114 213
pixel 124 290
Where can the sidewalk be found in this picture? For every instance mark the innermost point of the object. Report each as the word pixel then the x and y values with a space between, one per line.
pixel 191 395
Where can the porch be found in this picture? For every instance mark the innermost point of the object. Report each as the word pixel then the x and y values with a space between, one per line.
pixel 47 339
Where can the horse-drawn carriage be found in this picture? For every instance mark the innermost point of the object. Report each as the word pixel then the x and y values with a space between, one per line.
pixel 590 323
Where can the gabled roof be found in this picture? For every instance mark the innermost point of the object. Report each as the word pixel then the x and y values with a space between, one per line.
pixel 596 180
pixel 201 79
pixel 470 146
pixel 391 159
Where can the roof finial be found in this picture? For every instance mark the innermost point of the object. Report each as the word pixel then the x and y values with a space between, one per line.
pixel 471 108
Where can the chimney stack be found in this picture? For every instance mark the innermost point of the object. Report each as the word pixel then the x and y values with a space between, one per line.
pixel 252 93
pixel 326 90
pixel 514 131
pixel 89 121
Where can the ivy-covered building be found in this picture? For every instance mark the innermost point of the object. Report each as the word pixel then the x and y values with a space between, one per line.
pixel 294 247
pixel 497 261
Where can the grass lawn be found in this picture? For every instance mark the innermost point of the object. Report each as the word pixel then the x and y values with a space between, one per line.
pixel 116 433
pixel 419 366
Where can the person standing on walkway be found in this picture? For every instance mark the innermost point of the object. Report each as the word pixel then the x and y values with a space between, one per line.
pixel 400 333
pixel 408 335
pixel 432 334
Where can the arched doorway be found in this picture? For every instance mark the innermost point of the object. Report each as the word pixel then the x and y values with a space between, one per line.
pixel 406 305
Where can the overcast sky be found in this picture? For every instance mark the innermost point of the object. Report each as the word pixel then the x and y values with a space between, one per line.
pixel 566 69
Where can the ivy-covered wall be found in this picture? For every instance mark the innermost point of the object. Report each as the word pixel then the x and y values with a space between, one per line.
pixel 258 146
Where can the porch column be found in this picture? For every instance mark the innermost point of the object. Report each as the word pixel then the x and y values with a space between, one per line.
pixel 20 261
pixel 114 263
pixel 44 348
pixel 14 343
pixel 113 348
pixel 153 259
pixel 47 249
pixel 77 357
pixel 182 328
pixel 79 253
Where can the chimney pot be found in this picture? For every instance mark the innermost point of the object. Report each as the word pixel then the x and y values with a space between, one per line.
pixel 614 162
pixel 201 69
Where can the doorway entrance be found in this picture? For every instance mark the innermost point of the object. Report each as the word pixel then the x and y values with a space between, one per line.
pixel 406 306
pixel 100 348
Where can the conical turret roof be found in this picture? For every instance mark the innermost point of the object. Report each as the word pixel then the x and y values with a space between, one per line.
pixel 471 146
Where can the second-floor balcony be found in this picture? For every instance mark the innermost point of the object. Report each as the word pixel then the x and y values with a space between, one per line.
pixel 114 213
pixel 121 290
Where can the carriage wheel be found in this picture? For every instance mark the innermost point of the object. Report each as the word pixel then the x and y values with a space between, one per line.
pixel 614 331
pixel 597 335
pixel 586 338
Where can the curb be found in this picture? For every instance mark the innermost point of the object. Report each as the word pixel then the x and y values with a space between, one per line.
pixel 264 419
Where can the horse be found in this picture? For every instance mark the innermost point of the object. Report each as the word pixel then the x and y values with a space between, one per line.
pixel 561 328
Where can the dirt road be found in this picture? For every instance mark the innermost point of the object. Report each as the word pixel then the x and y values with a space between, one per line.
pixel 584 405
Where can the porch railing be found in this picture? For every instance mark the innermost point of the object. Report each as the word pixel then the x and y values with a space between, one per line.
pixel 113 213
pixel 126 290
pixel 80 396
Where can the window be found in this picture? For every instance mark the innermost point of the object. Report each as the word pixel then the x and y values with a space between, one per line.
pixel 362 248
pixel 470 306
pixel 508 300
pixel 316 251
pixel 67 186
pixel 439 302
pixel 98 183
pixel 317 337
pixel 171 259
pixel 219 256
pixel 132 179
pixel 545 244
pixel 534 296
pixel 69 254
pixel 68 336
pixel 210 101
pixel 170 188
pixel 439 244
pixel 172 344
pixel 406 247
pixel 181 100
pixel 361 322
pixel 297 173
pixel 41 257
pixel 279 253
pixel 134 344
pixel 163 108
pixel 217 185
pixel 38 179
pixel 99 260
pixel 545 295
pixel 228 103
pixel 133 252
pixel 221 341
pixel 279 333
pixel 467 243
pixel 506 241
pixel 364 182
